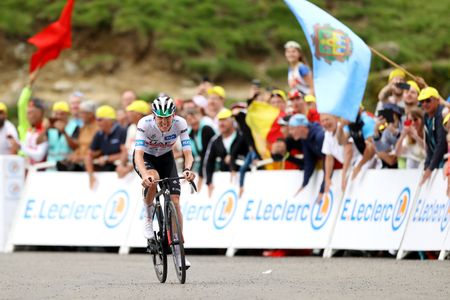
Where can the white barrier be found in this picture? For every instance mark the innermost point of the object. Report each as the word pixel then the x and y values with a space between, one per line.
pixel 429 220
pixel 59 209
pixel 12 172
pixel 269 216
pixel 374 209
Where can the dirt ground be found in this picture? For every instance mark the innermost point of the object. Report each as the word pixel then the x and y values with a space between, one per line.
pixel 40 275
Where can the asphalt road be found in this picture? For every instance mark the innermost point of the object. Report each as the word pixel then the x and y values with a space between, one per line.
pixel 53 275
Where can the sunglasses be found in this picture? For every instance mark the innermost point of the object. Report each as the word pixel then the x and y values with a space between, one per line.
pixel 426 100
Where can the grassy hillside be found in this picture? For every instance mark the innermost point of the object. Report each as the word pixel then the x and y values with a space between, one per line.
pixel 231 38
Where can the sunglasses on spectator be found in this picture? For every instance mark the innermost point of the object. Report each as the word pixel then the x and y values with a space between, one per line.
pixel 426 100
pixel 99 119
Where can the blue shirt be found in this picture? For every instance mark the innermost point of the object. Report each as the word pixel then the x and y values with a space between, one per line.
pixel 109 143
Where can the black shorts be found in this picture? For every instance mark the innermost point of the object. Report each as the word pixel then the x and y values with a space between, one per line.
pixel 165 166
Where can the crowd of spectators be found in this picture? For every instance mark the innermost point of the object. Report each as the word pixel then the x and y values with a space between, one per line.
pixel 408 129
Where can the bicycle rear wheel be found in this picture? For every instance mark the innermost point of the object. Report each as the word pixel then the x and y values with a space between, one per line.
pixel 176 242
pixel 160 253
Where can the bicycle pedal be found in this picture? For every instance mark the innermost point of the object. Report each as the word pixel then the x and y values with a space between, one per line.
pixel 152 247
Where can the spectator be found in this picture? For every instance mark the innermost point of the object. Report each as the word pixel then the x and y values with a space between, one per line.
pixel 311 107
pixel 22 108
pixel 75 161
pixel 7 133
pixel 334 152
pixel 216 102
pixel 310 136
pixel 361 133
pixel 446 123
pixel 297 103
pixel 411 144
pixel 135 111
pixel 74 102
pixel 299 75
pixel 392 92
pixel 387 131
pixel 61 136
pixel 226 147
pixel 204 87
pixel 33 150
pixel 278 99
pixel 126 99
pixel 122 119
pixel 410 96
pixel 435 135
pixel 108 144
pixel 200 133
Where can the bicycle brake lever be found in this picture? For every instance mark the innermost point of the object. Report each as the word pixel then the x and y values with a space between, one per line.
pixel 193 187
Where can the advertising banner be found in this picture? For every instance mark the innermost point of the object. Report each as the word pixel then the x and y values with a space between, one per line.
pixel 270 216
pixel 207 222
pixel 12 172
pixel 60 209
pixel 374 210
pixel 429 222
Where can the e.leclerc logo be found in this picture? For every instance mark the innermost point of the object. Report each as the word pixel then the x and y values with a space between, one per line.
pixel 116 209
pixel 378 211
pixel 401 209
pixel 428 211
pixel 321 211
pixel 113 211
pixel 225 209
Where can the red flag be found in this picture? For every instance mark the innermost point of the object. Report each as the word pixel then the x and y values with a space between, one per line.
pixel 53 39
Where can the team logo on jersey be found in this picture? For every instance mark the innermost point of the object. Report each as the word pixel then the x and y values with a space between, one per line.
pixel 170 137
pixel 331 44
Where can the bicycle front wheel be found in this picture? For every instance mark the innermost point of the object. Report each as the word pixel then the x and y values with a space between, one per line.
pixel 176 242
pixel 160 252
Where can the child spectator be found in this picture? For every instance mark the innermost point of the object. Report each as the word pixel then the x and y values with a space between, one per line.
pixel 299 74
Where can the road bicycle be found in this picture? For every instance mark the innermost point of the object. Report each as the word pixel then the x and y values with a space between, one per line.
pixel 168 237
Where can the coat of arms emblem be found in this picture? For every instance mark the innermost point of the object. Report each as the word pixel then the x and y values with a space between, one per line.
pixel 331 44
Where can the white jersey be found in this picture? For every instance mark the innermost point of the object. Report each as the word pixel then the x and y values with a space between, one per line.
pixel 154 142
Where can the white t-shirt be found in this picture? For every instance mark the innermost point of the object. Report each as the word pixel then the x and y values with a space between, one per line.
pixel 331 147
pixel 129 142
pixel 8 129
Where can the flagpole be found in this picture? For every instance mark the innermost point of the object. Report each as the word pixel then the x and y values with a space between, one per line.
pixel 383 57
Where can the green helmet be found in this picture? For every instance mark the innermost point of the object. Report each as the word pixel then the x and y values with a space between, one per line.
pixel 163 106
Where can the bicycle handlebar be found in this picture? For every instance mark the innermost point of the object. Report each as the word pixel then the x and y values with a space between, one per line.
pixel 192 184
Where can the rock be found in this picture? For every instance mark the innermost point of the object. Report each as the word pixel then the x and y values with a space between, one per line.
pixel 63 86
pixel 70 68
pixel 20 52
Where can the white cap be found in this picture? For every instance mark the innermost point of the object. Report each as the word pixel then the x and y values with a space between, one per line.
pixel 292 44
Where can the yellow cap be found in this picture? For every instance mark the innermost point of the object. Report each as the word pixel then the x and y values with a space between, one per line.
pixel 310 98
pixel 280 93
pixel 225 113
pixel 414 85
pixel 61 106
pixel 447 117
pixel 428 92
pixel 217 90
pixel 105 112
pixel 139 106
pixel 3 107
pixel 396 73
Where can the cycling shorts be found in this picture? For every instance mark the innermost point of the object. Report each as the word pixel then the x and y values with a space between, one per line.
pixel 166 168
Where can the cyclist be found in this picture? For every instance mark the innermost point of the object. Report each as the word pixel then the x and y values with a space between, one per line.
pixel 153 158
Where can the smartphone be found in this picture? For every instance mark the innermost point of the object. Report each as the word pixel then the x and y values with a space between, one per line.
pixel 387 114
pixel 403 85
pixel 256 82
